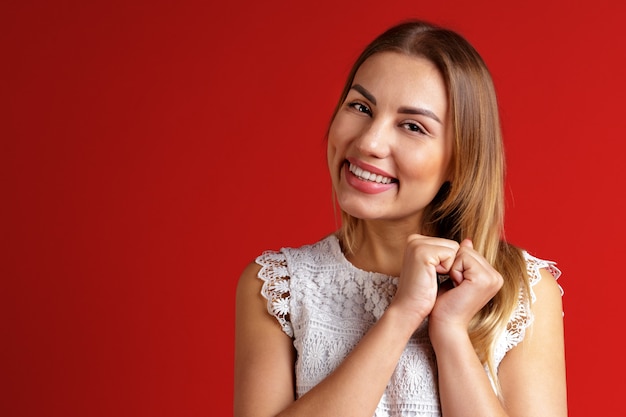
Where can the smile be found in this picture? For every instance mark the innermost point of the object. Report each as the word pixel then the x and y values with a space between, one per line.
pixel 369 176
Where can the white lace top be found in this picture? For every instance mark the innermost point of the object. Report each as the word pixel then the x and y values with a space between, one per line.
pixel 326 305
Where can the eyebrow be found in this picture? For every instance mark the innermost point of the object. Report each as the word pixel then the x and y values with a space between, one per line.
pixel 423 112
pixel 364 92
pixel 403 110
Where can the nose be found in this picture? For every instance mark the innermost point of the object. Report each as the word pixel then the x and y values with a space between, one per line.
pixel 374 140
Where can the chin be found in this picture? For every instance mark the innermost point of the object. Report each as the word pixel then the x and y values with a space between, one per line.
pixel 360 210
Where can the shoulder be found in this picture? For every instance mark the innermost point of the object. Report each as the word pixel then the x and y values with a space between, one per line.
pixel 537 268
pixel 539 296
pixel 278 263
pixel 547 296
pixel 248 286
pixel 545 301
pixel 269 278
pixel 255 298
pixel 542 275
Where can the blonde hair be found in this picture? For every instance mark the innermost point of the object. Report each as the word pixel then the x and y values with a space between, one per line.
pixel 472 204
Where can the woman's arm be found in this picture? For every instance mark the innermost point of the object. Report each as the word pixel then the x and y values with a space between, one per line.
pixel 264 354
pixel 532 374
pixel 265 358
pixel 464 388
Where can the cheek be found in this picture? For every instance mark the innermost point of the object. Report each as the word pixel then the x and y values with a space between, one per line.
pixel 428 167
pixel 336 141
pixel 330 154
pixel 341 130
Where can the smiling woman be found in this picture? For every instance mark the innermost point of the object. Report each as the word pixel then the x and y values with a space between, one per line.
pixel 390 125
pixel 358 324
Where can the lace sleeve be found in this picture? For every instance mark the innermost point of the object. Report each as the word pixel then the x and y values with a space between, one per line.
pixel 522 317
pixel 275 288
pixel 534 265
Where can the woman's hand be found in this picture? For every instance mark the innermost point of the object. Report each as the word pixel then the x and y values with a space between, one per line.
pixel 475 282
pixel 424 258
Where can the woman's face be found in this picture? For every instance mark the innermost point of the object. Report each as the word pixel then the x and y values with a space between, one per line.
pixel 390 144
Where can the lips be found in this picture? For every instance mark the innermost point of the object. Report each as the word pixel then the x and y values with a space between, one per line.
pixel 368 179
pixel 369 176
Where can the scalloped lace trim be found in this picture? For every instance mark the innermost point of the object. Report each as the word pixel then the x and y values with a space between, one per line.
pixel 275 288
pixel 522 317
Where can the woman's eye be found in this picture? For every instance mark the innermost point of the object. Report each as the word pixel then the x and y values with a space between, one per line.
pixel 361 108
pixel 414 127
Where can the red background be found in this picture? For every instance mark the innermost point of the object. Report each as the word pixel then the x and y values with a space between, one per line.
pixel 150 150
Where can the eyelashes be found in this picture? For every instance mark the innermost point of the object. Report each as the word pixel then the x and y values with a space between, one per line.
pixel 414 127
pixel 410 126
pixel 360 107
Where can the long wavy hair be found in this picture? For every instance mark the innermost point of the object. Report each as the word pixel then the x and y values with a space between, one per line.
pixel 471 205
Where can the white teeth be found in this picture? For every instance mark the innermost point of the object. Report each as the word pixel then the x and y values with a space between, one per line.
pixel 369 176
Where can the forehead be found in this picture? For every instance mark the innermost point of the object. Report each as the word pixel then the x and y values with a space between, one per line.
pixel 396 65
pixel 404 80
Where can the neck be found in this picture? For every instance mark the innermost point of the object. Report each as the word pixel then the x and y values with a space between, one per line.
pixel 379 246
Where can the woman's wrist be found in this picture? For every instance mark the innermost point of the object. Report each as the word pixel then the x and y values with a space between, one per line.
pixel 447 334
pixel 402 318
